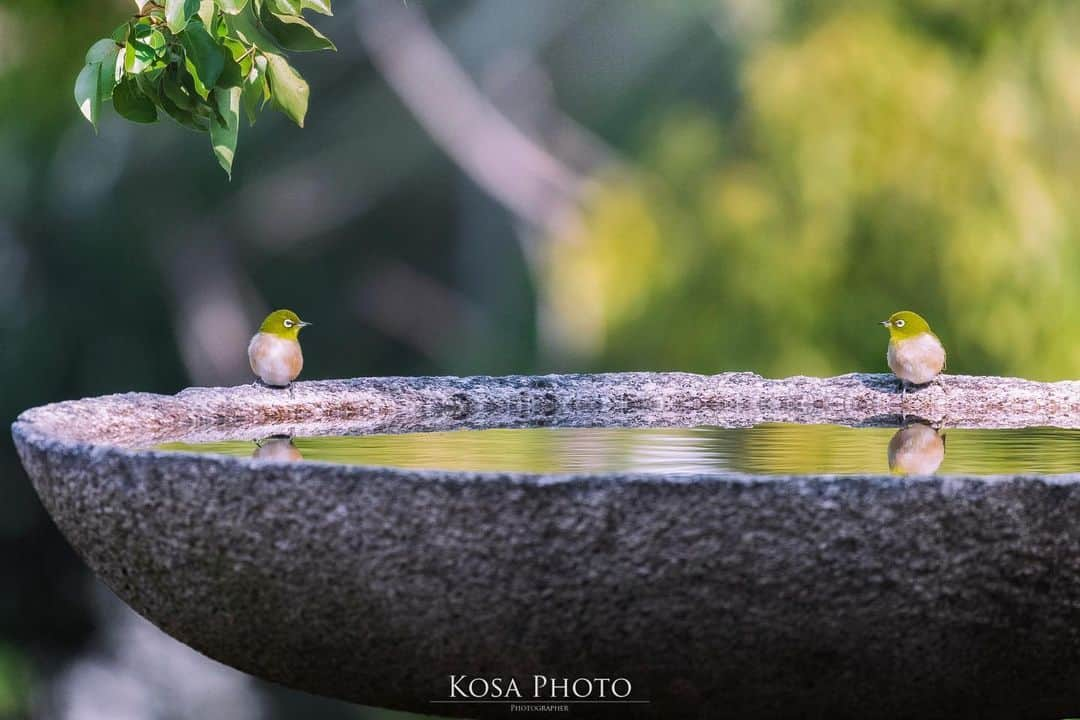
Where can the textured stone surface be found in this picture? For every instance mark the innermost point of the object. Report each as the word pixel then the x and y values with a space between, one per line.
pixel 718 596
pixel 618 399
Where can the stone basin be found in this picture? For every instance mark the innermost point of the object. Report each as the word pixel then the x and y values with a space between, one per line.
pixel 714 595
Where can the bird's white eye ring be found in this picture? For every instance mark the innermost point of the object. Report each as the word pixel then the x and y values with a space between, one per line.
pixel 288 323
pixel 899 323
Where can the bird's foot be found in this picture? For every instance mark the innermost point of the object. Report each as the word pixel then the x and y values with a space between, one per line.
pixel 941 384
pixel 940 424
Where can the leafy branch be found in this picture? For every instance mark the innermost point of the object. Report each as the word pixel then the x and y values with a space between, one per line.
pixel 202 62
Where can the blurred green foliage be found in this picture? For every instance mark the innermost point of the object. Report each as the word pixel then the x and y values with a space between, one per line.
pixel 881 158
pixel 14 683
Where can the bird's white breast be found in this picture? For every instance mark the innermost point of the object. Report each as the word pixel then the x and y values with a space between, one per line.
pixel 275 360
pixel 917 360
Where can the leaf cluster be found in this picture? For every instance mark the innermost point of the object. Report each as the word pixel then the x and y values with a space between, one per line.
pixel 203 63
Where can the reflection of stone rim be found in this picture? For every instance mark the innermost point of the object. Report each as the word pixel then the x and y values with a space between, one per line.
pixel 831 595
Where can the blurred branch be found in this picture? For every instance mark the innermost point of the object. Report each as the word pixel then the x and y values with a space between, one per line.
pixel 521 87
pixel 509 165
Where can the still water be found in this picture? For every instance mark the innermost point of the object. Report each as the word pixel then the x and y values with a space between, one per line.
pixel 766 449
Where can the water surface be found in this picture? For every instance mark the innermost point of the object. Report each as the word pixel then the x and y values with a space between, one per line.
pixel 766 449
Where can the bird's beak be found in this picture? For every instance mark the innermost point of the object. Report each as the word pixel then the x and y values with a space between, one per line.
pixel 304 324
pixel 885 323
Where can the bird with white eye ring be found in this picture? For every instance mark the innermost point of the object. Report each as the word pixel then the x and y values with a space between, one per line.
pixel 916 355
pixel 274 352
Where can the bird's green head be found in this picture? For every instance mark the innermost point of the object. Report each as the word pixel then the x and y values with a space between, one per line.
pixel 906 324
pixel 284 324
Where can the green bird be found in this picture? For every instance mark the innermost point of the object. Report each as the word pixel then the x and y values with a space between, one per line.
pixel 274 352
pixel 915 354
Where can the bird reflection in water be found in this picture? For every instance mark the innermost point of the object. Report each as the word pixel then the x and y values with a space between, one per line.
pixel 277 448
pixel 916 449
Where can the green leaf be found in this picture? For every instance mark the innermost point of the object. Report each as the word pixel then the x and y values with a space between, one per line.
pixel 183 116
pixel 245 26
pixel 204 58
pixel 289 90
pixel 256 91
pixel 175 93
pixel 235 47
pixel 240 53
pixel 120 34
pixel 223 135
pixel 294 33
pixel 178 12
pixel 110 71
pixel 218 29
pixel 142 28
pixel 187 82
pixel 283 7
pixel 155 45
pixel 99 50
pixel 130 63
pixel 232 7
pixel 319 6
pixel 207 11
pixel 231 76
pixel 144 49
pixel 154 72
pixel 150 87
pixel 132 104
pixel 215 112
pixel 87 93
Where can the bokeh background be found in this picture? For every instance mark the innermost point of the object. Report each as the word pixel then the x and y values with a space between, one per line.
pixel 520 186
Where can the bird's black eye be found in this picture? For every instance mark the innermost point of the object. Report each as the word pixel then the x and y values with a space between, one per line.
pixel 899 323
pixel 288 323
